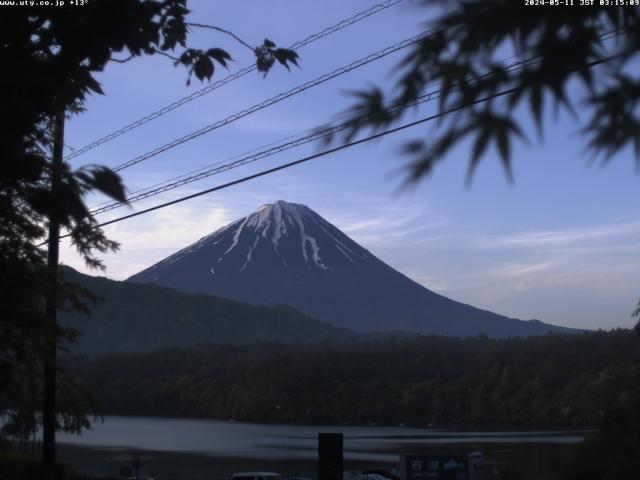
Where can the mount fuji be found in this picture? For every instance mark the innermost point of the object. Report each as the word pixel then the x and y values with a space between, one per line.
pixel 286 254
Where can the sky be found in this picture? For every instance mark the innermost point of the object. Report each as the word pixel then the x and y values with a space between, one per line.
pixel 559 244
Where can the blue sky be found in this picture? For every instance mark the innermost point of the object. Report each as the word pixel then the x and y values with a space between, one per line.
pixel 560 244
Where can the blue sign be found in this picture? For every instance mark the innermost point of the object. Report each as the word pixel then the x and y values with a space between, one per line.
pixel 434 467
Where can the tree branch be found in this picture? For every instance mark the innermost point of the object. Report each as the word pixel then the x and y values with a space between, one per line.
pixel 122 60
pixel 175 59
pixel 202 25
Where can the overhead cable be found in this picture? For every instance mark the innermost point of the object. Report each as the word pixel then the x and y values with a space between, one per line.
pixel 273 100
pixel 229 78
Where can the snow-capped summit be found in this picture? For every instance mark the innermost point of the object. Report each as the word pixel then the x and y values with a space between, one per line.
pixel 285 253
pixel 279 235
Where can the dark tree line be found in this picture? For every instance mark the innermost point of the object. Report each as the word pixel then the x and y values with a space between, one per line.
pixel 571 380
pixel 51 58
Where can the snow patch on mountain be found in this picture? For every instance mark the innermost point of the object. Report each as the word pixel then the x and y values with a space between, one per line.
pixel 249 253
pixel 236 237
pixel 280 228
pixel 278 224
pixel 286 254
pixel 295 212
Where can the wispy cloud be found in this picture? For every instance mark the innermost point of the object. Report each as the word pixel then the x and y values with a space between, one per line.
pixel 380 225
pixel 569 258
pixel 521 274
pixel 563 237
pixel 567 276
pixel 147 239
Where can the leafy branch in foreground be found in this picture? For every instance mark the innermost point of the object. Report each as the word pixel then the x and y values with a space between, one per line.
pixel 52 57
pixel 564 51
pixel 266 54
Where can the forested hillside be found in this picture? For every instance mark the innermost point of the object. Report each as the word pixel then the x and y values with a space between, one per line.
pixel 550 380
pixel 140 318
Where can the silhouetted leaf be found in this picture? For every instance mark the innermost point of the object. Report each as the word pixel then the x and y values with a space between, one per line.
pixel 479 146
pixel 104 180
pixel 219 55
pixel 536 104
pixel 504 148
pixel 284 55
pixel 413 147
pixel 203 67
pixel 460 55
pixel 40 200
pixel 93 84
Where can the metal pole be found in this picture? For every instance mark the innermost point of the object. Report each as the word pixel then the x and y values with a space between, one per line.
pixel 51 327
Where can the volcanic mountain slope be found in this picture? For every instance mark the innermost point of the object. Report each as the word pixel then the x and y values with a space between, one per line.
pixel 285 253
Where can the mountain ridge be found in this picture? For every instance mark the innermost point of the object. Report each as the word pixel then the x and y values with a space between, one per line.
pixel 140 318
pixel 285 253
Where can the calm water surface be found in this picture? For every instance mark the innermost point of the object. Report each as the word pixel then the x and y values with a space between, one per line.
pixel 232 439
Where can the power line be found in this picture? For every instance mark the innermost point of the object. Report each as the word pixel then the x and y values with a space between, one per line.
pixel 317 135
pixel 273 100
pixel 210 170
pixel 285 95
pixel 330 151
pixel 229 78
pixel 219 169
pixel 302 160
pixel 206 167
pixel 195 175
pixel 250 157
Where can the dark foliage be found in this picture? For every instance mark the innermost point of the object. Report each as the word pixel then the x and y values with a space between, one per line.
pixel 22 467
pixel 49 58
pixel 613 453
pixel 580 60
pixel 551 380
pixel 560 51
pixel 267 54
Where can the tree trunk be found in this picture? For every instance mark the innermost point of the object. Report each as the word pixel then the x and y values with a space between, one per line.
pixel 49 393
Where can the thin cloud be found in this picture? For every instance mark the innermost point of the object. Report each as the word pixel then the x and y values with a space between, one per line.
pixel 550 238
pixel 149 238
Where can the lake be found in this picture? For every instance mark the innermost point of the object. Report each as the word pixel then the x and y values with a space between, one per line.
pixel 234 439
pixel 219 448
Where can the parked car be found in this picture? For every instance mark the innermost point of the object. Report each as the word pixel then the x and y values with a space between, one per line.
pixel 372 476
pixel 388 473
pixel 256 476
pixel 361 475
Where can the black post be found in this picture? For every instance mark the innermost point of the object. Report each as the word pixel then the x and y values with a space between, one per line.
pixel 49 360
pixel 330 456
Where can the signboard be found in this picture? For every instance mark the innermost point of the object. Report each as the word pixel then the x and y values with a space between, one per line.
pixel 434 467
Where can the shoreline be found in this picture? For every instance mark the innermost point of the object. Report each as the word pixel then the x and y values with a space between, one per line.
pixel 513 461
pixel 460 428
pixel 168 465
pixel 194 449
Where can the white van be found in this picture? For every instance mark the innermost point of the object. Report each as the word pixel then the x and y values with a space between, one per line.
pixel 256 476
